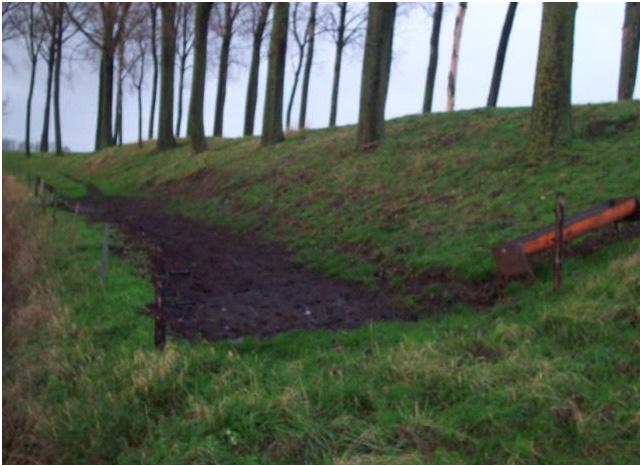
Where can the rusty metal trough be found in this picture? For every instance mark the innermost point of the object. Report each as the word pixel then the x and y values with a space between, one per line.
pixel 512 256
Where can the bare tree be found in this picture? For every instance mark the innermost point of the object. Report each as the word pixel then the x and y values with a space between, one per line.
pixel 226 17
pixel 195 128
pixel 272 119
pixel 455 52
pixel 502 50
pixel 433 58
pixel 311 34
pixel 185 13
pixel 103 25
pixel 629 55
pixel 28 21
pixel 346 24
pixel 301 39
pixel 64 33
pixel 48 52
pixel 134 70
pixel 551 124
pixel 10 30
pixel 375 73
pixel 153 22
pixel 258 18
pixel 166 139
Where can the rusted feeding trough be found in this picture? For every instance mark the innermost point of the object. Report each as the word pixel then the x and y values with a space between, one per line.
pixel 512 257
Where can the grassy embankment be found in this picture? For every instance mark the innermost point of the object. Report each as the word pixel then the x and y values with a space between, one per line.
pixel 546 377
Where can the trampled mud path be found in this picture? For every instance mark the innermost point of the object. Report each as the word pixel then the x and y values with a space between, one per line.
pixel 239 285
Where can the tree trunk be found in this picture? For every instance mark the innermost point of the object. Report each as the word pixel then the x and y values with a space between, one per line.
pixel 375 72
pixel 117 139
pixel 453 71
pixel 311 30
pixel 106 100
pixel 629 56
pixel 223 70
pixel 56 88
pixel 502 50
pixel 27 149
pixel 154 58
pixel 195 127
pixel 433 59
pixel 337 64
pixel 183 67
pixel 51 59
pixel 254 71
pixel 100 92
pixel 272 119
pixel 296 77
pixel 551 112
pixel 166 139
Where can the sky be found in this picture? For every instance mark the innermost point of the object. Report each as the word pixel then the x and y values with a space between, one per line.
pixel 596 64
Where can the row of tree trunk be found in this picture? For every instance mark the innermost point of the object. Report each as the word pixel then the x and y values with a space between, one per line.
pixel 550 117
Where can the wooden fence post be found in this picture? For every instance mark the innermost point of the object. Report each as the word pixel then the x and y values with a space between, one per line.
pixel 160 326
pixel 559 242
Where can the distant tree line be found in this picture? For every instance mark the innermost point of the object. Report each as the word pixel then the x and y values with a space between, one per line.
pixel 140 42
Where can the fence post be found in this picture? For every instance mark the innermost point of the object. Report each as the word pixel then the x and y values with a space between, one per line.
pixel 559 242
pixel 160 326
pixel 104 261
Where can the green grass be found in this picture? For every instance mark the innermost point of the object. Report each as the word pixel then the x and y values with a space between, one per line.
pixel 544 377
pixel 439 192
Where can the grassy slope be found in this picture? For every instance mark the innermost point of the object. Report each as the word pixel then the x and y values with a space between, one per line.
pixel 547 377
pixel 551 377
pixel 439 193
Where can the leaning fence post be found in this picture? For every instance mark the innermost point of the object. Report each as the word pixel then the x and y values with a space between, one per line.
pixel 105 256
pixel 559 241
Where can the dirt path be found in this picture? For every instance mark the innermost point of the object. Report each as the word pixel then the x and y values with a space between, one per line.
pixel 238 285
pixel 222 285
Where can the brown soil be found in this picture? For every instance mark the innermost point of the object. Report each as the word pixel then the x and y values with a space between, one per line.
pixel 236 283
pixel 220 284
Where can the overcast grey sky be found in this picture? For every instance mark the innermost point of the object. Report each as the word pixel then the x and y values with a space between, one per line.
pixel 595 73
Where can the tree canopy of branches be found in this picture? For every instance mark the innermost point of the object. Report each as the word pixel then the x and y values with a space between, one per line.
pixel 103 25
pixel 27 20
pixel 301 39
pixel 344 29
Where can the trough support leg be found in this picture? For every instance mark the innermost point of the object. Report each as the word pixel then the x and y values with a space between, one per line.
pixel 559 241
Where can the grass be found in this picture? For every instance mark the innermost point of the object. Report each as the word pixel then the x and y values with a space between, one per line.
pixel 439 192
pixel 544 377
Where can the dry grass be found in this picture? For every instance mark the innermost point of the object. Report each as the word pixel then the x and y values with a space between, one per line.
pixel 28 306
